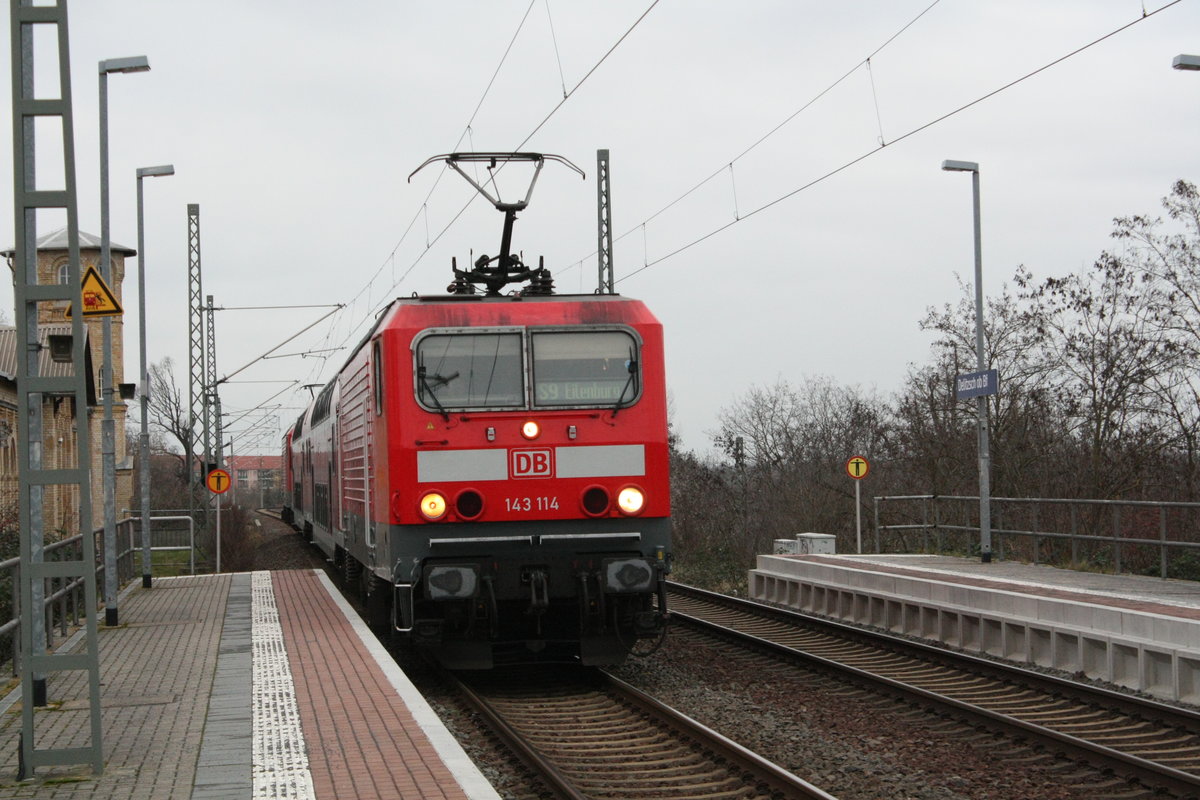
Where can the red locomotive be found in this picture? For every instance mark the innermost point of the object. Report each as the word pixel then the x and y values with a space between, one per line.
pixel 491 470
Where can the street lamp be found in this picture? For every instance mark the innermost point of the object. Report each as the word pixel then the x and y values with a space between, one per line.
pixel 985 506
pixel 1186 62
pixel 108 446
pixel 144 377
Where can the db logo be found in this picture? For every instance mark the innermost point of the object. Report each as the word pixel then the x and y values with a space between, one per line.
pixel 531 463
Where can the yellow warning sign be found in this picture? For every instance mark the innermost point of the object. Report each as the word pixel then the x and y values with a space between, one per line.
pixel 218 481
pixel 857 467
pixel 98 299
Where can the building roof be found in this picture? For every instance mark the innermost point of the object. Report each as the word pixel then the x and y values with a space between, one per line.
pixel 47 367
pixel 253 462
pixel 57 240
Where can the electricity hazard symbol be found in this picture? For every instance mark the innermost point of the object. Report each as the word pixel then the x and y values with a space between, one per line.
pixel 218 481
pixel 857 467
pixel 98 299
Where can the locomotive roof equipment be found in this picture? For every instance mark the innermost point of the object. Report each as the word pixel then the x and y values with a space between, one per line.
pixel 496 272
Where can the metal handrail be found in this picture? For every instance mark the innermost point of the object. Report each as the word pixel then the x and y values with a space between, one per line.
pixel 1121 535
pixel 64 597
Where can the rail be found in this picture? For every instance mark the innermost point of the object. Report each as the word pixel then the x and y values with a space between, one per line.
pixel 1120 535
pixel 64 596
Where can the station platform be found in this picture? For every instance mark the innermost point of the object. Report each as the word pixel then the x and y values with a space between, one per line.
pixel 263 685
pixel 1141 633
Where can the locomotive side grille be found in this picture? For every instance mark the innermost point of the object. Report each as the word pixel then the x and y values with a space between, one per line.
pixel 353 444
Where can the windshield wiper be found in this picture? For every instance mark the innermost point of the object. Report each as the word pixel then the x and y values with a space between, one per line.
pixel 440 381
pixel 629 382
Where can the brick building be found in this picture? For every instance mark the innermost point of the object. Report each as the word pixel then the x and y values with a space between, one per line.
pixel 256 479
pixel 53 265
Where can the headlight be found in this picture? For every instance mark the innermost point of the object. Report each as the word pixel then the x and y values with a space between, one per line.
pixel 531 430
pixel 628 575
pixel 631 500
pixel 433 506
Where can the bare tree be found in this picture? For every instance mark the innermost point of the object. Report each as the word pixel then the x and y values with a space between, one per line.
pixel 1166 257
pixel 790 469
pixel 1105 344
pixel 168 411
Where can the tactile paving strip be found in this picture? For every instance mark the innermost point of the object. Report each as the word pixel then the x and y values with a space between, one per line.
pixel 280 764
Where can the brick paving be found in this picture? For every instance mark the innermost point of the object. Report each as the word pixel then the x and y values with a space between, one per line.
pixel 156 672
pixel 177 712
pixel 362 740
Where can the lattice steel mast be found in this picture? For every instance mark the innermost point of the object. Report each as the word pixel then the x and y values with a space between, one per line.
pixel 198 380
pixel 32 387
pixel 213 421
pixel 604 220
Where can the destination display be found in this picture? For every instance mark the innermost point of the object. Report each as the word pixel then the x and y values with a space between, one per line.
pixel 580 391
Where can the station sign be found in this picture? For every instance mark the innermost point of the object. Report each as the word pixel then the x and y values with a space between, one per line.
pixel 977 384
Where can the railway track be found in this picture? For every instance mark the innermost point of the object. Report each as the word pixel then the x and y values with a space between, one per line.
pixel 1154 743
pixel 592 736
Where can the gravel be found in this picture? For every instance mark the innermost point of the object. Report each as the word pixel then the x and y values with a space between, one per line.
pixel 847 741
pixel 280 547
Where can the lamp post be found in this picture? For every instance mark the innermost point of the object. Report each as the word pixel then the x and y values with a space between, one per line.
pixel 108 446
pixel 144 377
pixel 985 506
pixel 1186 62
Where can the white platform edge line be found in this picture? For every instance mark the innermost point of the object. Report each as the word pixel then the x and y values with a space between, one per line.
pixel 468 776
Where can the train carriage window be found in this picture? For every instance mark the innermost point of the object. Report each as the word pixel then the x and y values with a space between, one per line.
pixel 585 368
pixel 321 407
pixel 377 375
pixel 470 370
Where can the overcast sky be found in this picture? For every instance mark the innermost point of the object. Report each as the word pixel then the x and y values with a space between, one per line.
pixel 295 126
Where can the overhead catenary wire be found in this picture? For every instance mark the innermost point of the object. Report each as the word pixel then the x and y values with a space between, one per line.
pixel 562 78
pixel 264 402
pixel 273 349
pixel 354 328
pixel 910 133
pixel 778 127
pixel 271 308
pixel 372 311
pixel 423 209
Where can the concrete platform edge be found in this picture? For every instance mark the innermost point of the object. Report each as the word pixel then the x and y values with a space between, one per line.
pixel 1141 650
pixel 472 781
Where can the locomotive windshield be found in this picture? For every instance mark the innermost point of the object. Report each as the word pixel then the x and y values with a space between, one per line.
pixel 567 368
pixel 470 370
pixel 584 368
